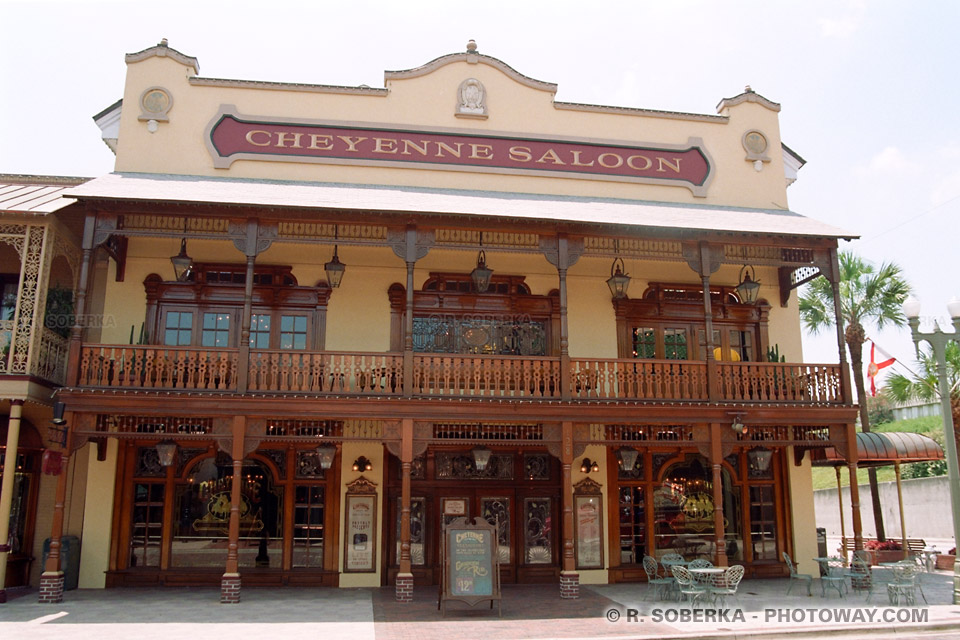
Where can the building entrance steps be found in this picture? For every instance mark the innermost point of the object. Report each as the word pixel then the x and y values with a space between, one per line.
pixel 529 611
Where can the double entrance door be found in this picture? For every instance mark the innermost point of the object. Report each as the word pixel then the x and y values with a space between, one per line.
pixel 525 511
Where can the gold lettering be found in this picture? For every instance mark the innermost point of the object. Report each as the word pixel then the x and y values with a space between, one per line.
pixel 316 139
pixel 664 161
pixel 254 132
pixel 552 156
pixel 611 155
pixel 576 160
pixel 352 142
pixel 285 136
pixel 384 145
pixel 407 144
pixel 643 168
pixel 520 154
pixel 443 145
pixel 481 151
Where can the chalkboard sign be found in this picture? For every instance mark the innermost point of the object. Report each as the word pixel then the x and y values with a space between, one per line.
pixel 471 570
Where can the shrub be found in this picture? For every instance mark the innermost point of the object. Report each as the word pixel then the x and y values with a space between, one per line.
pixel 886 545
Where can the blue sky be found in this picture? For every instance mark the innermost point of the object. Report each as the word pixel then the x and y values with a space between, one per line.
pixel 869 90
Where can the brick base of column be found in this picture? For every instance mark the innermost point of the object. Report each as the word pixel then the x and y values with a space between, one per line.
pixel 569 585
pixel 51 587
pixel 230 588
pixel 404 587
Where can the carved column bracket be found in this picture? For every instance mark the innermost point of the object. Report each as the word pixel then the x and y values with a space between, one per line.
pixel 550 247
pixel 106 226
pixel 423 241
pixel 703 258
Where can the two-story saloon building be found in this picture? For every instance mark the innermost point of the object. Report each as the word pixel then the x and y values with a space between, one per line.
pixel 318 322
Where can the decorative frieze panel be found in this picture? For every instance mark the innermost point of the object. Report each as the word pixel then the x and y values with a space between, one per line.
pixel 460 466
pixel 161 425
pixel 351 233
pixel 278 427
pixel 32 292
pixel 475 431
pixel 468 238
pixel 633 248
pixel 174 224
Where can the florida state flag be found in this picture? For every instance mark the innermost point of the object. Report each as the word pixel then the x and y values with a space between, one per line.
pixel 874 367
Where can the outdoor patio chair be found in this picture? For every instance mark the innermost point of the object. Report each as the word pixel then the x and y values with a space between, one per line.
pixel 835 578
pixel 655 584
pixel 726 584
pixel 861 579
pixel 805 577
pixel 700 563
pixel 906 583
pixel 687 585
pixel 667 558
pixel 862 554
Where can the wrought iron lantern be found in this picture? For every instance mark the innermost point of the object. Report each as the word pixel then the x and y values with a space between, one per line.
pixel 481 458
pixel 628 458
pixel 759 459
pixel 481 274
pixel 618 280
pixel 749 286
pixel 325 454
pixel 335 268
pixel 182 263
pixel 166 450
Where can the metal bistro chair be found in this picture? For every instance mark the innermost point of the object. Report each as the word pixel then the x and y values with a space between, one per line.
pixel 797 576
pixel 835 578
pixel 906 583
pixel 861 579
pixel 700 563
pixel 727 584
pixel 654 582
pixel 689 589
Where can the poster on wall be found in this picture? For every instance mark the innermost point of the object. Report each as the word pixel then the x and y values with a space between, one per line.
pixel 360 540
pixel 589 514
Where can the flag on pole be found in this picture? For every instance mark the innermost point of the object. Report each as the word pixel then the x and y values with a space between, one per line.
pixel 874 367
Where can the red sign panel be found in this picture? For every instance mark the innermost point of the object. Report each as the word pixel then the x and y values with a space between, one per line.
pixel 232 137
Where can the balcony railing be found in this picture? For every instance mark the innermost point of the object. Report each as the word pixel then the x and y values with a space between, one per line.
pixel 51 362
pixel 444 375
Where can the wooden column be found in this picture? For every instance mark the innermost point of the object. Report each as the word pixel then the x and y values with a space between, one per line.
pixel 563 259
pixel 230 583
pixel 76 332
pixel 843 527
pixel 903 522
pixel 569 578
pixel 846 388
pixel 404 583
pixel 716 463
pixel 6 492
pixel 51 580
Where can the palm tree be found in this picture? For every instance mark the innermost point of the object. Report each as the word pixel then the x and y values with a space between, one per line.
pixel 923 385
pixel 867 295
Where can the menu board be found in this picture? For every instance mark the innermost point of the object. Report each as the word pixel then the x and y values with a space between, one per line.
pixel 360 541
pixel 471 571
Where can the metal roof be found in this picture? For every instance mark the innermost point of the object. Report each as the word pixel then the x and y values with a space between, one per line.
pixel 35 194
pixel 882 449
pixel 407 200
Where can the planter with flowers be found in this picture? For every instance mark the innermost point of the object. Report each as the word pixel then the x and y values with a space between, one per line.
pixel 886 551
pixel 945 560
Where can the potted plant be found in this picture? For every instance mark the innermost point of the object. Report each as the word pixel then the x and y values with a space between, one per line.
pixel 945 560
pixel 886 551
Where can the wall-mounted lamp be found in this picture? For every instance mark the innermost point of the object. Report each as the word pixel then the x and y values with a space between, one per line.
pixel 589 466
pixel 335 268
pixel 58 432
pixel 618 280
pixel 182 263
pixel 628 458
pixel 738 425
pixel 481 274
pixel 759 459
pixel 481 458
pixel 749 286
pixel 362 464
pixel 325 454
pixel 166 450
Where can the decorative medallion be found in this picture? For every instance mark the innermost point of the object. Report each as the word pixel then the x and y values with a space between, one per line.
pixel 755 144
pixel 472 99
pixel 155 105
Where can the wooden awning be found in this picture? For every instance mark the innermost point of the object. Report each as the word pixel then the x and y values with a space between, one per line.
pixel 882 449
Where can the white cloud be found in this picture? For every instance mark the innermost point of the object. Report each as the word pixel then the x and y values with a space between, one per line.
pixel 889 161
pixel 845 26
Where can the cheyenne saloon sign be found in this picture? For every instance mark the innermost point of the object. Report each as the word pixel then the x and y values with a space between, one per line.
pixel 231 136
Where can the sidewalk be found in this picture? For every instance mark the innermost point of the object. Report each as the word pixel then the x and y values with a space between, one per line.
pixel 529 611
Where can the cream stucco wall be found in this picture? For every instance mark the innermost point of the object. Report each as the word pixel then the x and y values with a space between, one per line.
pixel 98 517
pixel 800 503
pixel 428 101
pixel 350 452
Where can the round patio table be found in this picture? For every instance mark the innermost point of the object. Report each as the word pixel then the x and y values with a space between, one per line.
pixel 706 575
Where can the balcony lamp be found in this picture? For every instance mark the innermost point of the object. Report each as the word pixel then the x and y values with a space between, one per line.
pixel 335 268
pixel 166 450
pixel 182 263
pixel 589 466
pixel 325 454
pixel 749 286
pixel 618 280
pixel 628 458
pixel 481 458
pixel 759 459
pixel 481 274
pixel 58 432
pixel 362 464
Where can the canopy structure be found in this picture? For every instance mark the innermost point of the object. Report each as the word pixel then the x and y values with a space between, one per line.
pixel 880 450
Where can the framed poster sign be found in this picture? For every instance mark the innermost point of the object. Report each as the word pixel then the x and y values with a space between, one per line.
pixel 471 570
pixel 360 533
pixel 588 515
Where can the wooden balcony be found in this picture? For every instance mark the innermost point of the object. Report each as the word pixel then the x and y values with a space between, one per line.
pixel 445 375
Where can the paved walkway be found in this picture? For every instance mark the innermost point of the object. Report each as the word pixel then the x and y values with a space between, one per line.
pixel 762 610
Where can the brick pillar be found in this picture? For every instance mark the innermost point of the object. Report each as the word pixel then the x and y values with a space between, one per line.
pixel 404 587
pixel 51 587
pixel 569 585
pixel 230 588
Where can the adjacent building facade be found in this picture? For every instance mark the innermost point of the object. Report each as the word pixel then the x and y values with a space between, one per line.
pixel 316 322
